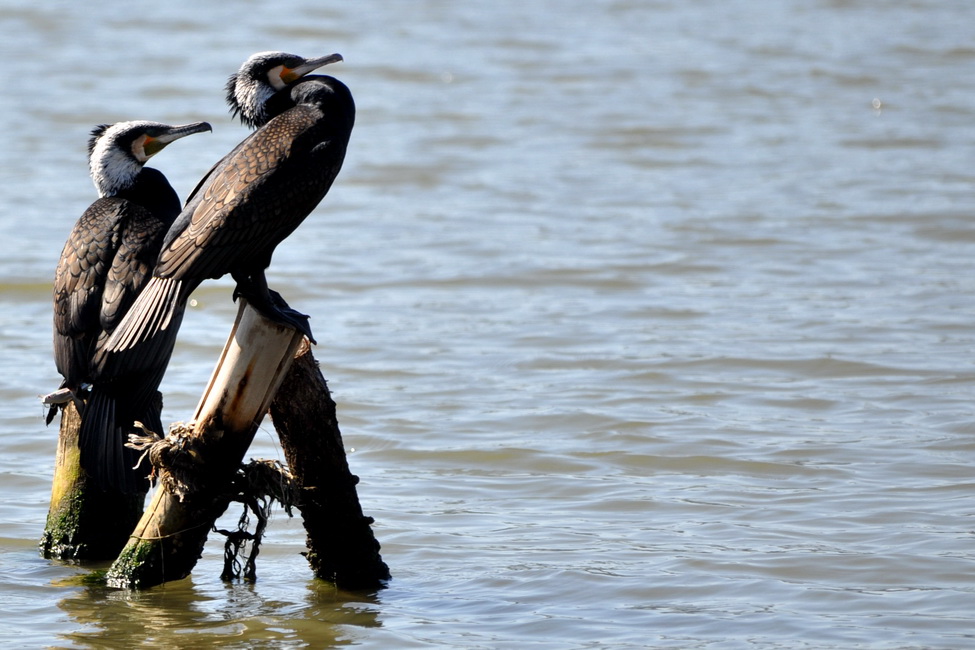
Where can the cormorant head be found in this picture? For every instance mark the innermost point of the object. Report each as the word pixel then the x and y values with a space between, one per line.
pixel 117 152
pixel 264 74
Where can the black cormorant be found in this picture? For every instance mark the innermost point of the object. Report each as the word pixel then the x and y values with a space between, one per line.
pixel 243 208
pixel 106 260
pixel 254 92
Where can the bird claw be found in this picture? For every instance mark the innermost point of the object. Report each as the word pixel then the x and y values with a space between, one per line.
pixel 280 312
pixel 276 309
pixel 294 319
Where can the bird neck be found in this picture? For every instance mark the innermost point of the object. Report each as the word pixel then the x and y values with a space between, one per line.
pixel 151 190
pixel 247 98
pixel 329 95
pixel 112 169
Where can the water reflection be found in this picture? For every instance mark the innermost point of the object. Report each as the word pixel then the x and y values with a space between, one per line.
pixel 314 614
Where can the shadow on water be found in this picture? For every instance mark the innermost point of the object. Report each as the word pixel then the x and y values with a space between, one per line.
pixel 314 614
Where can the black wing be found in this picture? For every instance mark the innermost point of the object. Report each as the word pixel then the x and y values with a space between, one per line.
pixel 252 200
pixel 79 282
pixel 141 238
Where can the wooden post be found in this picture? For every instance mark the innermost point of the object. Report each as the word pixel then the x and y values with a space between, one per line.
pixel 169 538
pixel 84 522
pixel 341 545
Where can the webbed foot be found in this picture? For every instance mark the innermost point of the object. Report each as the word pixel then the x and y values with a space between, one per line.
pixel 274 307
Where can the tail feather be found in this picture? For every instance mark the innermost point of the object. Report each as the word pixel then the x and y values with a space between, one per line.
pixel 105 429
pixel 126 372
pixel 145 337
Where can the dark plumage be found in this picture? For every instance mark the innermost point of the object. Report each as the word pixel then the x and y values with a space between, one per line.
pixel 106 261
pixel 246 205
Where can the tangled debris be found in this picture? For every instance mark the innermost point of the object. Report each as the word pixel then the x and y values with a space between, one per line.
pixel 257 485
pixel 172 457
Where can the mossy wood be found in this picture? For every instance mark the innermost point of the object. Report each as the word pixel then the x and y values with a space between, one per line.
pixel 169 538
pixel 84 522
pixel 341 545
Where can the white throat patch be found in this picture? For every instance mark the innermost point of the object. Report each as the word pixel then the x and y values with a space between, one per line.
pixel 251 96
pixel 113 167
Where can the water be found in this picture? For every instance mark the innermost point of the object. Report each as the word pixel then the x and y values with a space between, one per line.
pixel 649 322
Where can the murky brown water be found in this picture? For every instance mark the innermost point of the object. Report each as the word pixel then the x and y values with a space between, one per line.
pixel 650 323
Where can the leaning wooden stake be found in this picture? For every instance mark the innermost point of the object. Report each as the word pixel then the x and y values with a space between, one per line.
pixel 84 522
pixel 341 546
pixel 169 538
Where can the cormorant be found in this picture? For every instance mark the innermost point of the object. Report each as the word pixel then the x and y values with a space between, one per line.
pixel 254 91
pixel 106 260
pixel 244 207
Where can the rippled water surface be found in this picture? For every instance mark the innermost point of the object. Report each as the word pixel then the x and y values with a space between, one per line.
pixel 649 322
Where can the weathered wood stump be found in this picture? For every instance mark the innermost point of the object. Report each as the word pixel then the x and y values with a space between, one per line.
pixel 341 545
pixel 84 522
pixel 198 466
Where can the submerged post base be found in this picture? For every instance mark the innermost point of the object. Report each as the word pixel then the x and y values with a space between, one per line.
pixel 84 522
pixel 341 544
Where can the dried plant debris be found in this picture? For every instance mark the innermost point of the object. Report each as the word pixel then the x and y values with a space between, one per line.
pixel 258 485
